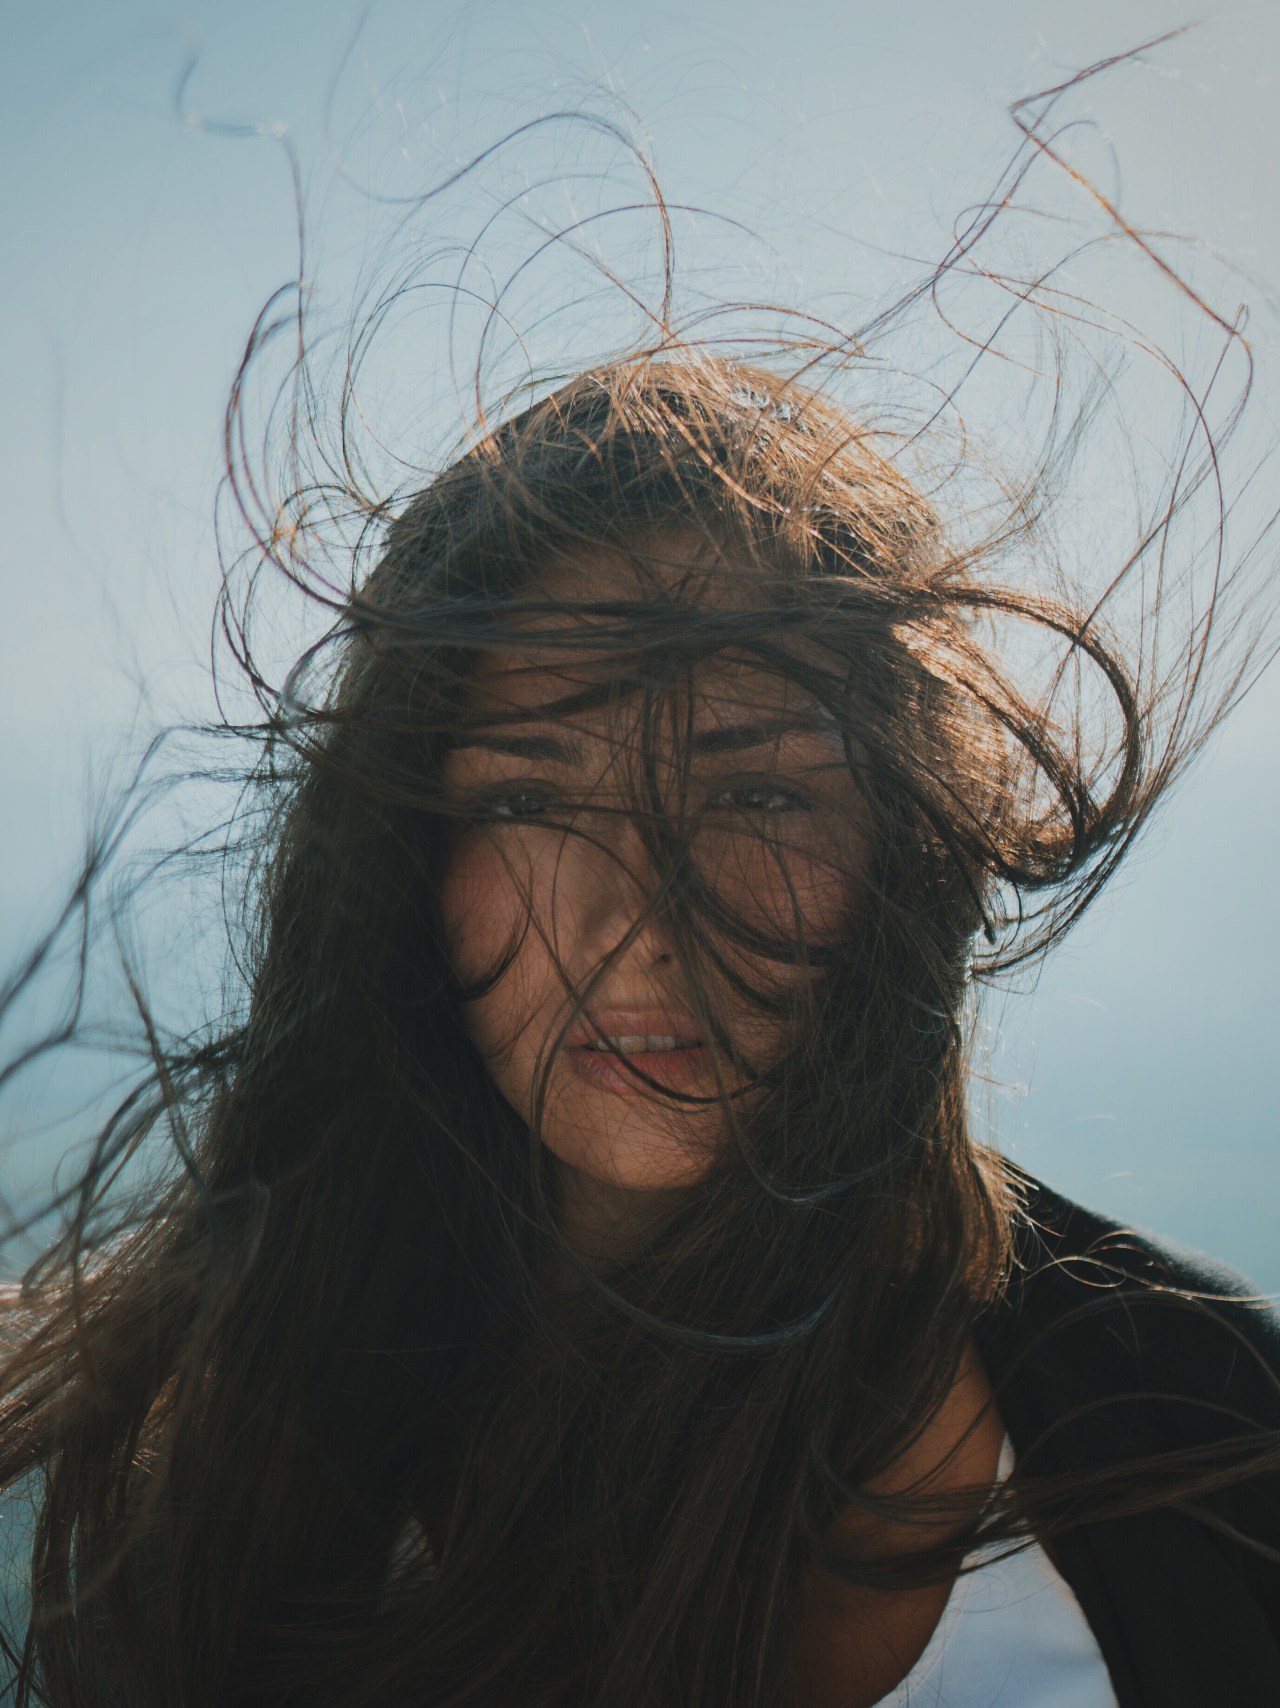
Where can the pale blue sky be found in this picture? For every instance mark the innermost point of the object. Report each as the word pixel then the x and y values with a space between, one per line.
pixel 138 249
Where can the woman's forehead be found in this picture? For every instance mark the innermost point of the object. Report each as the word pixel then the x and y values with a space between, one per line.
pixel 576 657
pixel 573 685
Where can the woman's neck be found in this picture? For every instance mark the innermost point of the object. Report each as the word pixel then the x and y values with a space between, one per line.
pixel 856 1644
pixel 602 1222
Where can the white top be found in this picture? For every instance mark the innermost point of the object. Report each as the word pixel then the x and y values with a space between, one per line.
pixel 1011 1636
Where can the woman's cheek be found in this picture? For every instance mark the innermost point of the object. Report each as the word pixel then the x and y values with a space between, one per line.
pixel 798 896
pixel 824 892
pixel 484 907
pixel 486 903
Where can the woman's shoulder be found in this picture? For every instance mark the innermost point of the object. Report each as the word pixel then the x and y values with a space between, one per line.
pixel 1096 1307
pixel 1058 1230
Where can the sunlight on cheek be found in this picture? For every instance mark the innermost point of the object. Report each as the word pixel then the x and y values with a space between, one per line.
pixel 466 885
pixel 793 891
pixel 486 916
pixel 506 932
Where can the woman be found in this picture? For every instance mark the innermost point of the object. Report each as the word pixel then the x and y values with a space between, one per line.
pixel 582 1284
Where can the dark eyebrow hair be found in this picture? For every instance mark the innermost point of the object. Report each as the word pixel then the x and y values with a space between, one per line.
pixel 717 738
pixel 730 738
pixel 555 749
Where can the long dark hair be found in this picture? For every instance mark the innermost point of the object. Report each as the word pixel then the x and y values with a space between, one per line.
pixel 319 1424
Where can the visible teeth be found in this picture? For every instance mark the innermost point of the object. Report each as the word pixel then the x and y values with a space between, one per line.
pixel 637 1045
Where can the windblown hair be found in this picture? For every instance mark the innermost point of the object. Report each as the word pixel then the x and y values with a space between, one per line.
pixel 320 1427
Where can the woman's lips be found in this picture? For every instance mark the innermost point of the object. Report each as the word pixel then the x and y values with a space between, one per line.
pixel 635 1072
pixel 629 1051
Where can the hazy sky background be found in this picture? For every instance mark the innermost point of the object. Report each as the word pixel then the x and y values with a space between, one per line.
pixel 138 247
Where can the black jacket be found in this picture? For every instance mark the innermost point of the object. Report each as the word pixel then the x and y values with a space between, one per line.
pixel 1094 1359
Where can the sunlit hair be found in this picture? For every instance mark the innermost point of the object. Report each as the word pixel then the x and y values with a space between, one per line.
pixel 321 1426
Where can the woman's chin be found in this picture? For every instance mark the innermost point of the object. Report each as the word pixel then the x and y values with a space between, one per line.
pixel 620 1146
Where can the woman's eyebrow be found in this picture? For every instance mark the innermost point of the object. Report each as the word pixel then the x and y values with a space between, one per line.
pixel 551 749
pixel 730 738
pixel 561 749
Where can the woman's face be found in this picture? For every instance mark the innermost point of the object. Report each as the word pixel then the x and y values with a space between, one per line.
pixel 591 1030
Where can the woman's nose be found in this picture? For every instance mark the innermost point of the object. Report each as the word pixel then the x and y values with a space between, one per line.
pixel 616 884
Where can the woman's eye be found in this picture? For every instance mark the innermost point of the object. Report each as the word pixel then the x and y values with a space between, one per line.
pixel 516 804
pixel 762 798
